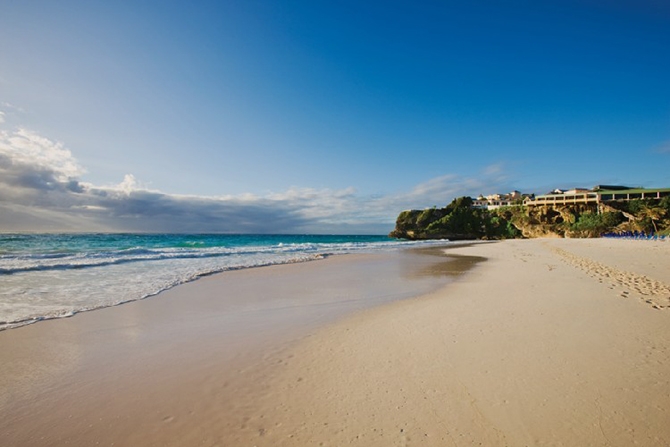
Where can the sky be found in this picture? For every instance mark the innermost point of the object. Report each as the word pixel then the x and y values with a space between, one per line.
pixel 319 117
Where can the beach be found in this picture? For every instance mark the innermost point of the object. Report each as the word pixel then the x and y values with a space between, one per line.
pixel 537 342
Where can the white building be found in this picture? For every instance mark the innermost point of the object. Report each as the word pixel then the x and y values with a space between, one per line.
pixel 494 201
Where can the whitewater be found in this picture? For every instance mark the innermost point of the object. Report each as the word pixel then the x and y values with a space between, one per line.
pixel 45 276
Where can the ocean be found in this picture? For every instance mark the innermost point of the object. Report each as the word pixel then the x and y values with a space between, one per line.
pixel 45 276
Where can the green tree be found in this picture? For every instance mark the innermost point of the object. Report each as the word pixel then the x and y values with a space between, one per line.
pixel 593 224
pixel 652 213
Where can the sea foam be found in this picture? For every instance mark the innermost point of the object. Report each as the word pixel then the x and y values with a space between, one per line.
pixel 55 276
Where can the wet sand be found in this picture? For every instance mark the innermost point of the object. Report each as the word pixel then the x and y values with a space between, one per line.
pixel 165 369
pixel 548 342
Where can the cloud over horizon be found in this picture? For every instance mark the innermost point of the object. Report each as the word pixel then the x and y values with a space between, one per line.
pixel 41 190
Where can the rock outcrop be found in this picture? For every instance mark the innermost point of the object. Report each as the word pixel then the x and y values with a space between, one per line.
pixel 460 221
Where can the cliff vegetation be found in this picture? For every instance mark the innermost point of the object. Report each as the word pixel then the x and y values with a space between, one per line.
pixel 460 221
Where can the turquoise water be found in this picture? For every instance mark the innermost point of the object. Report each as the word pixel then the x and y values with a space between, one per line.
pixel 45 276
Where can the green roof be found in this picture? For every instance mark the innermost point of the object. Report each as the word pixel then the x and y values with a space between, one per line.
pixel 632 190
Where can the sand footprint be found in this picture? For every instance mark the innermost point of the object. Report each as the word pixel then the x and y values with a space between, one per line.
pixel 640 284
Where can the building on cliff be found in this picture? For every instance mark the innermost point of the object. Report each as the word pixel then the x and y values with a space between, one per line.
pixel 494 201
pixel 599 194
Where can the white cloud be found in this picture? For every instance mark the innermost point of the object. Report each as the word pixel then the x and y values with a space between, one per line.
pixel 441 190
pixel 129 184
pixel 2 117
pixel 27 148
pixel 439 186
pixel 664 148
pixel 40 190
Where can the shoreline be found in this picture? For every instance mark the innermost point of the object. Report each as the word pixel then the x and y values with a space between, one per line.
pixel 548 342
pixel 33 320
pixel 433 250
pixel 221 330
pixel 42 280
pixel 530 349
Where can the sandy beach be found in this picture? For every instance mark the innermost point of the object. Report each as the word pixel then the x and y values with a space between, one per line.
pixel 546 342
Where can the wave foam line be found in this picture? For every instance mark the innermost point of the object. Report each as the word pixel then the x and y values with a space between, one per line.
pixel 12 324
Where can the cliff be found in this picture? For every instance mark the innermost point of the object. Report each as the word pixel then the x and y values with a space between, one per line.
pixel 460 221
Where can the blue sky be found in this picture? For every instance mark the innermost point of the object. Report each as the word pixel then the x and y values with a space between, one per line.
pixel 308 116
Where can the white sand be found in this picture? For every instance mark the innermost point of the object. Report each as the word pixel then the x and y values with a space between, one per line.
pixel 169 368
pixel 548 343
pixel 551 342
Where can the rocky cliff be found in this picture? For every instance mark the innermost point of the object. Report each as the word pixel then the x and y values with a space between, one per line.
pixel 459 220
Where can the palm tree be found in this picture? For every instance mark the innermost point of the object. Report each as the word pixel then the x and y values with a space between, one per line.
pixel 653 213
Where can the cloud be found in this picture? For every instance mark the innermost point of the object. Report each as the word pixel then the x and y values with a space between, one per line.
pixel 664 148
pixel 40 190
pixel 441 190
pixel 24 147
pixel 2 117
pixel 32 166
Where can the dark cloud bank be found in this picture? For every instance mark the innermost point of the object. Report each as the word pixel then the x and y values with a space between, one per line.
pixel 40 190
